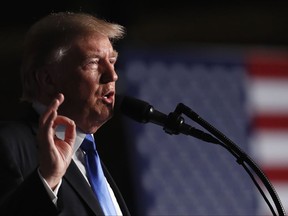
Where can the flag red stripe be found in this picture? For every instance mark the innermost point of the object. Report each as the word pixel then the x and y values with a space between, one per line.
pixel 268 65
pixel 276 174
pixel 277 122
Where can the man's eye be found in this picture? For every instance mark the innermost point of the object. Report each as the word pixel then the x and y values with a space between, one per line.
pixel 92 64
pixel 112 60
pixel 95 61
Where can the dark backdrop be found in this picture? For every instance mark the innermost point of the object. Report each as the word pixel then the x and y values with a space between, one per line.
pixel 148 23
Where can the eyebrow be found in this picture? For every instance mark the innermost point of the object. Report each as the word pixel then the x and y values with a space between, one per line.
pixel 114 54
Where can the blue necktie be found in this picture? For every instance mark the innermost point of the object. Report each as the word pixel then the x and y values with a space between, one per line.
pixel 96 176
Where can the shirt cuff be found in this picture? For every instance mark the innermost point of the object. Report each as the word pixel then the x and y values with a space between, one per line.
pixel 52 193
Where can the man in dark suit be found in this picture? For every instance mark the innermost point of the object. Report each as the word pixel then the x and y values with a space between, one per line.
pixel 68 78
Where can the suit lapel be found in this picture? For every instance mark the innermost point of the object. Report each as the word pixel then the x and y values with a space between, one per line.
pixel 75 178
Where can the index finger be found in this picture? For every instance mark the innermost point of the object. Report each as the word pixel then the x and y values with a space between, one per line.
pixel 52 107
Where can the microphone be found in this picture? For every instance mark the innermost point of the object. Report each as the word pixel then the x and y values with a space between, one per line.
pixel 140 111
pixel 143 112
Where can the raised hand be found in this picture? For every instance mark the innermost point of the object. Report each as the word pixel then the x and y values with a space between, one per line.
pixel 54 153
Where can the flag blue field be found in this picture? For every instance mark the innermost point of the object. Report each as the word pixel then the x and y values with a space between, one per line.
pixel 179 174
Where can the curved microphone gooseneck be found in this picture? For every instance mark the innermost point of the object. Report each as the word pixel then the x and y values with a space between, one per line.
pixel 173 123
pixel 241 156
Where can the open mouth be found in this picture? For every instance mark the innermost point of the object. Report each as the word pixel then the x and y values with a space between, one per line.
pixel 109 97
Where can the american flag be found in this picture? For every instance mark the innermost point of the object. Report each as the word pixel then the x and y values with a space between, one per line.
pixel 232 89
pixel 268 106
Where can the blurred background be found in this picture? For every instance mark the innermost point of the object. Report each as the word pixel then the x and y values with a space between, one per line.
pixel 226 61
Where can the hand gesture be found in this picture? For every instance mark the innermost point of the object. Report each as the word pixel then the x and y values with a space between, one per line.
pixel 54 153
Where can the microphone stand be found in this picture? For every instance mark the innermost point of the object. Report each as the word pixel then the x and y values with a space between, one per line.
pixel 171 128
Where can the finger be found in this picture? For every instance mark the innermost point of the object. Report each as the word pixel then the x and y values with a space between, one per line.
pixel 58 100
pixel 60 97
pixel 45 131
pixel 70 131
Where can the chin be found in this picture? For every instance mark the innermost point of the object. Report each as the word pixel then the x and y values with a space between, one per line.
pixel 104 117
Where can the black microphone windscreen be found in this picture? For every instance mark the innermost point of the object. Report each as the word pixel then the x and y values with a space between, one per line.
pixel 134 108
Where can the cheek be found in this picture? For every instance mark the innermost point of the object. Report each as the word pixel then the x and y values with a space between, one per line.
pixel 86 87
pixel 79 84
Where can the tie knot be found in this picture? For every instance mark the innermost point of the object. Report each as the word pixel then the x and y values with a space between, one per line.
pixel 88 144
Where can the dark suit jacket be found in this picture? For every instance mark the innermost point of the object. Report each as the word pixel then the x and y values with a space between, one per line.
pixel 22 191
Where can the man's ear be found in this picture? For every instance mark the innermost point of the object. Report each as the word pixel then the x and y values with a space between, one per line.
pixel 45 80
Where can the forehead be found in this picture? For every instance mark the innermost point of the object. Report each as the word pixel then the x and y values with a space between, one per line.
pixel 93 44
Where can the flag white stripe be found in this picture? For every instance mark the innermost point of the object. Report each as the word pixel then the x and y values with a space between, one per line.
pixel 268 95
pixel 270 148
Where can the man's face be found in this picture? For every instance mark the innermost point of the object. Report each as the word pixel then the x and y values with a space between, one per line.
pixel 86 77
